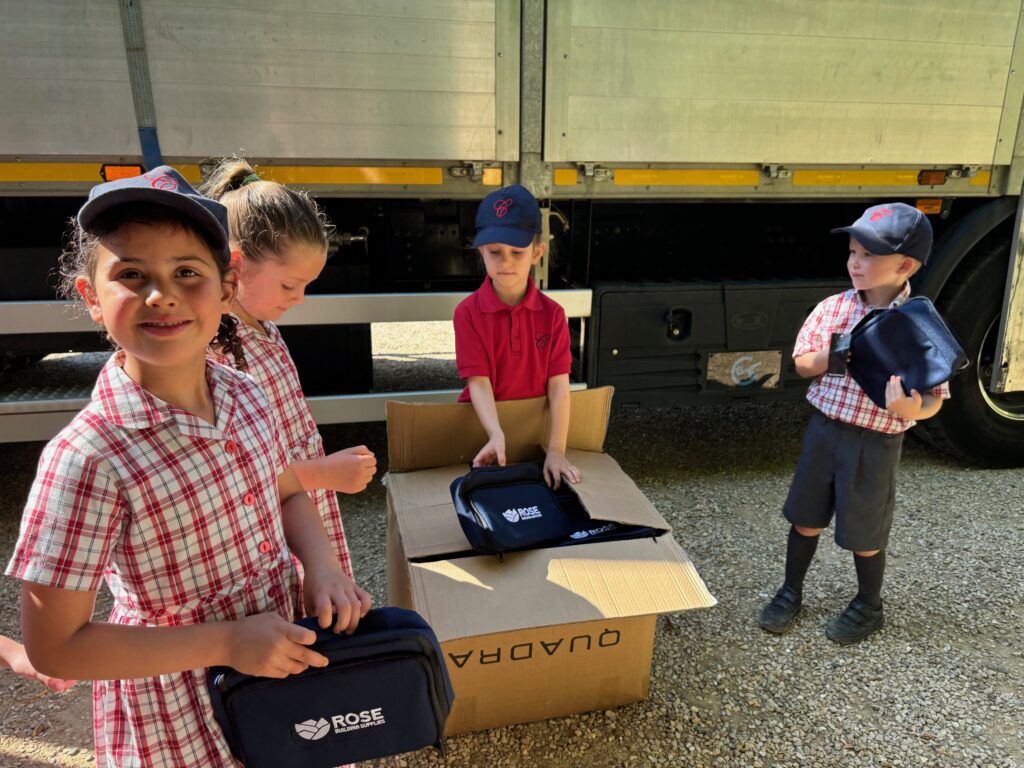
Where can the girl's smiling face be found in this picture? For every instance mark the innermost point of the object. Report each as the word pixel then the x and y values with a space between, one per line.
pixel 157 290
pixel 269 288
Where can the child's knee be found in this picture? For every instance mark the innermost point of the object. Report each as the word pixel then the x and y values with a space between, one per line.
pixel 809 532
pixel 868 553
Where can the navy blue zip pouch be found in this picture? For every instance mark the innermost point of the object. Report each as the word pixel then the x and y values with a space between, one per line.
pixel 385 691
pixel 586 530
pixel 505 509
pixel 911 341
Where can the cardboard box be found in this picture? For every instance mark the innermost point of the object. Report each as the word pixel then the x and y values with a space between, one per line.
pixel 545 632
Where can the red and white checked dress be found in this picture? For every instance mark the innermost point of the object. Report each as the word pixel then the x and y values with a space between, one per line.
pixel 840 397
pixel 271 365
pixel 183 519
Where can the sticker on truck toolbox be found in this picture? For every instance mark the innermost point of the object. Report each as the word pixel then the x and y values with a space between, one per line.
pixel 744 370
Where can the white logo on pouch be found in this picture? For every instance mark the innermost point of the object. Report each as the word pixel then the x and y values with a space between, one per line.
pixel 312 730
pixel 516 514
pixel 592 531
pixel 354 721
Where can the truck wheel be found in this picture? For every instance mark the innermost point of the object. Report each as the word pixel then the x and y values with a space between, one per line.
pixel 977 424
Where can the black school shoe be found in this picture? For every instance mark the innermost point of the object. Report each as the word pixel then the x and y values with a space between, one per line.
pixel 777 617
pixel 855 623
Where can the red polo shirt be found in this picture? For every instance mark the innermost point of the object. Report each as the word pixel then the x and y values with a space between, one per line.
pixel 518 348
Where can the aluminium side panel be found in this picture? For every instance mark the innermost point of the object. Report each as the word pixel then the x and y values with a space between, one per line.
pixel 64 85
pixel 1012 132
pixel 333 80
pixel 796 82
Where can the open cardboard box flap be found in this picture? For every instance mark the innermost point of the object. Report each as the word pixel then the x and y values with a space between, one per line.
pixel 545 587
pixel 425 435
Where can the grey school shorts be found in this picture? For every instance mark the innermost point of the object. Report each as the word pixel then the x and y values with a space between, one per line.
pixel 851 472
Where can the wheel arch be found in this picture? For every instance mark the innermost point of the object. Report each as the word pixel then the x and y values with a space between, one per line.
pixel 957 243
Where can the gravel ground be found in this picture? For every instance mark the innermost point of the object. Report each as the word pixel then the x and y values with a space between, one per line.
pixel 940 686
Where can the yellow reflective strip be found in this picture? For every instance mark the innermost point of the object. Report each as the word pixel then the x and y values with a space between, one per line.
pixel 73 172
pixel 492 177
pixel 316 174
pixel 49 172
pixel 981 179
pixel 631 177
pixel 190 173
pixel 566 177
pixel 855 178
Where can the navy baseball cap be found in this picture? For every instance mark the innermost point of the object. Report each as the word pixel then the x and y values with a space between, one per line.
pixel 162 186
pixel 893 228
pixel 508 215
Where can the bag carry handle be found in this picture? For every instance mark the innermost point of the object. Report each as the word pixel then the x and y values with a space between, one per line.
pixel 484 477
pixel 376 620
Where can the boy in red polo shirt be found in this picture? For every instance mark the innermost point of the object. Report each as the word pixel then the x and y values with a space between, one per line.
pixel 512 341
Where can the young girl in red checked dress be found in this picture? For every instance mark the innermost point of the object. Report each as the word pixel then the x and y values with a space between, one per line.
pixel 279 246
pixel 174 486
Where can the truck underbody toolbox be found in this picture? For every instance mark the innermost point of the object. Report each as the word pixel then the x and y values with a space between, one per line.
pixel 674 343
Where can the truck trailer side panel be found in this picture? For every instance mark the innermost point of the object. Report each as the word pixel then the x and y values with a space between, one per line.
pixel 918 82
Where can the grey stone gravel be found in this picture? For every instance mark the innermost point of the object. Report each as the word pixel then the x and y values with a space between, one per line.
pixel 942 685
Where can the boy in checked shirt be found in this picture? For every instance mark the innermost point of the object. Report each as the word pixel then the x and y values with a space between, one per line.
pixel 852 447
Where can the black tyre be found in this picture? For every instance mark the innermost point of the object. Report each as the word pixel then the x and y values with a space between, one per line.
pixel 978 425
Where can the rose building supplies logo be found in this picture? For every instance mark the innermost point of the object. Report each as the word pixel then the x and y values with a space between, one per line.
pixel 593 531
pixel 314 730
pixel 516 514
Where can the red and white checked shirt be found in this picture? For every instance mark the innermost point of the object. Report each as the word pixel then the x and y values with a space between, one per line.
pixel 271 365
pixel 840 397
pixel 183 519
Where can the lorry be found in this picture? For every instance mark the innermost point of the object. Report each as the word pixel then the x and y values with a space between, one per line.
pixel 691 159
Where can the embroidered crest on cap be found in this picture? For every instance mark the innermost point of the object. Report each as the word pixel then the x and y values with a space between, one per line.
pixel 164 181
pixel 501 207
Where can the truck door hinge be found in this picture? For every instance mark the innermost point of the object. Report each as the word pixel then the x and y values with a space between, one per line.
pixel 474 171
pixel 776 171
pixel 340 239
pixel 964 172
pixel 595 171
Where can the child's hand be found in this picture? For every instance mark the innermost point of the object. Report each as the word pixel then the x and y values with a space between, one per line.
pixel 556 466
pixel 350 470
pixel 268 645
pixel 17 658
pixel 327 590
pixel 492 453
pixel 898 403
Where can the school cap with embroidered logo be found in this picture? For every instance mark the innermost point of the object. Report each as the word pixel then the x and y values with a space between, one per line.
pixel 893 228
pixel 508 215
pixel 162 186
